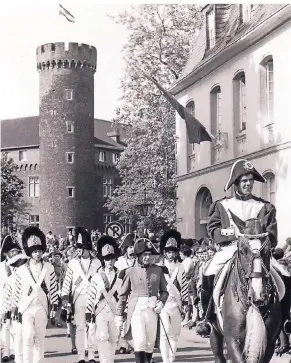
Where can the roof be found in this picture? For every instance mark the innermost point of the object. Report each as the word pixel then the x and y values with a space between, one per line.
pixel 229 30
pixel 20 132
pixel 24 132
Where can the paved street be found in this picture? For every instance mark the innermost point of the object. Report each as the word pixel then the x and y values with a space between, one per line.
pixel 192 348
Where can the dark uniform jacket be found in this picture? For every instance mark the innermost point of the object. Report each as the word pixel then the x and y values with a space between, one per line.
pixel 219 219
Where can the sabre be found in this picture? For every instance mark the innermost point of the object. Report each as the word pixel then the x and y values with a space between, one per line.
pixel 166 334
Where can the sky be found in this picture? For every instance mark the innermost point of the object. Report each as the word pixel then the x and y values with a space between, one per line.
pixel 25 26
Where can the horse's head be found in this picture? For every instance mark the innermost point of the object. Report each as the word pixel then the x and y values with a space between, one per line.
pixel 254 254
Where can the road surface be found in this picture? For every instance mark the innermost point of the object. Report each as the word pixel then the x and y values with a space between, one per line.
pixel 191 348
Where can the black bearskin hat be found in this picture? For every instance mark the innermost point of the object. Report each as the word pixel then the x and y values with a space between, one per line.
pixel 8 244
pixel 106 246
pixel 33 239
pixel 170 240
pixel 83 239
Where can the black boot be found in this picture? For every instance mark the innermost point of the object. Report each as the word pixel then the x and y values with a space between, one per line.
pixel 203 328
pixel 285 305
pixel 148 357
pixel 140 357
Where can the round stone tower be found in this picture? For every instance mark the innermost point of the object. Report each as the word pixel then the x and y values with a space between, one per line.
pixel 66 133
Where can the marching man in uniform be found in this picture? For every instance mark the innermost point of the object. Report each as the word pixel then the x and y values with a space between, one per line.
pixel 6 308
pixel 126 260
pixel 145 287
pixel 223 231
pixel 102 300
pixel 170 318
pixel 9 248
pixel 75 292
pixel 35 292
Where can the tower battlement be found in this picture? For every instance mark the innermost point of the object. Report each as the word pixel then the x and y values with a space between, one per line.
pixel 55 55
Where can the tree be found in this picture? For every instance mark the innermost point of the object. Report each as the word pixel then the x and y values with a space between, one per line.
pixel 160 40
pixel 12 187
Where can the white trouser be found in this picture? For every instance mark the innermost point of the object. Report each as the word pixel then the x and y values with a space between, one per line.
pixel 84 340
pixel 34 321
pixel 171 327
pixel 6 339
pixel 144 329
pixel 16 329
pixel 106 335
pixel 225 254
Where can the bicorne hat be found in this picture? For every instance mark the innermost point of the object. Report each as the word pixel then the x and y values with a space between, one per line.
pixel 242 167
pixel 170 240
pixel 8 244
pixel 33 239
pixel 128 241
pixel 17 260
pixel 107 246
pixel 83 238
pixel 143 245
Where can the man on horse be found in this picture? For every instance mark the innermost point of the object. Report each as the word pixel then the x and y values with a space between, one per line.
pixel 223 231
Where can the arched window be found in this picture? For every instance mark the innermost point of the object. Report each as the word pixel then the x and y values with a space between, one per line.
pixel 269 189
pixel 239 102
pixel 267 89
pixel 190 147
pixel 202 205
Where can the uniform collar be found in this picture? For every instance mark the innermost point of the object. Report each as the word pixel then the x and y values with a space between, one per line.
pixel 242 197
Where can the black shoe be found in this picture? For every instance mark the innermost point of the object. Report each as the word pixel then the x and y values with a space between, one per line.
pixel 74 351
pixel 82 361
pixel 5 359
pixel 12 356
pixel 92 361
pixel 203 329
pixel 140 357
pixel 148 357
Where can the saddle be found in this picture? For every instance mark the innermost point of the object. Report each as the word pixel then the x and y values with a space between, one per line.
pixel 221 280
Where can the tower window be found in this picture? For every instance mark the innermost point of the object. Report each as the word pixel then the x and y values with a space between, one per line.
pixel 70 127
pixel 107 187
pixel 102 156
pixel 239 98
pixel 33 186
pixel 215 104
pixel 267 89
pixel 23 155
pixel 69 94
pixel 115 157
pixel 71 192
pixel 70 157
pixel 107 219
pixel 34 220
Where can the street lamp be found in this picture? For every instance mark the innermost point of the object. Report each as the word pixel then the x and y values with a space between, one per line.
pixel 146 206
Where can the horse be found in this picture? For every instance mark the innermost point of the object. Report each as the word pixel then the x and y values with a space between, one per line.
pixel 251 309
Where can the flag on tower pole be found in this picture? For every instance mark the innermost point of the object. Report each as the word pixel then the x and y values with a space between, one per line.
pixel 196 131
pixel 66 14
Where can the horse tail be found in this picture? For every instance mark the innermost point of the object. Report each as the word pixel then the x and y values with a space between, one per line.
pixel 256 336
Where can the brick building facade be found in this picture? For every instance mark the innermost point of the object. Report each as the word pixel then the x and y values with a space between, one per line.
pixel 65 156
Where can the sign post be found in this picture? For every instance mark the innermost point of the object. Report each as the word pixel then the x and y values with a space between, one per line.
pixel 114 230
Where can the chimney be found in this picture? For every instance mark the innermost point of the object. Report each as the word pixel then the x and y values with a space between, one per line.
pixel 115 135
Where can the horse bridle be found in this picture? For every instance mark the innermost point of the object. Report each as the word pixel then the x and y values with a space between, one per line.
pixel 256 253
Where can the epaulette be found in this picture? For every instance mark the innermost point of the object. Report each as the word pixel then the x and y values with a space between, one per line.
pixel 213 205
pixel 258 199
pixel 122 273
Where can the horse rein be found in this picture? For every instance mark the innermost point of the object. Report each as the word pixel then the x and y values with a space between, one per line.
pixel 257 252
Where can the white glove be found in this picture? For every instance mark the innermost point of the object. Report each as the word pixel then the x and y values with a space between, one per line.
pixel 118 322
pixel 158 307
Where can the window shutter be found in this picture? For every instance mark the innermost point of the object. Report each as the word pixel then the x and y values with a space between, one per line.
pixel 263 90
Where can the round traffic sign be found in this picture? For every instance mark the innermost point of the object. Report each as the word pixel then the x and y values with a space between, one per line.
pixel 114 230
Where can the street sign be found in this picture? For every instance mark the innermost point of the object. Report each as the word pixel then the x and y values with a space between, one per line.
pixel 114 230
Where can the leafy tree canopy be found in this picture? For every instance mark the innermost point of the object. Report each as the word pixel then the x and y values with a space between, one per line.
pixel 160 38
